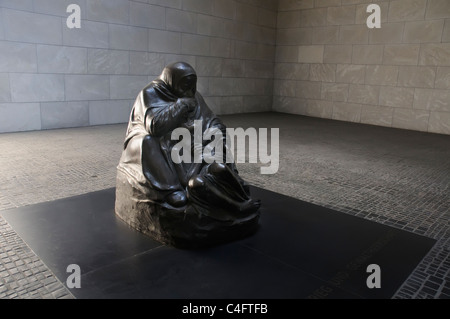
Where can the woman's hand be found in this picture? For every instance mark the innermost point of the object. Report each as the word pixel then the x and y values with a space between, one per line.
pixel 188 103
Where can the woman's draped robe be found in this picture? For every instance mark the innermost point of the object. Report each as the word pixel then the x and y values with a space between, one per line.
pixel 219 206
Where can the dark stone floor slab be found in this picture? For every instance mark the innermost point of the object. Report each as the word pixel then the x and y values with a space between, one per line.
pixel 80 230
pixel 336 247
pixel 226 272
pixel 302 250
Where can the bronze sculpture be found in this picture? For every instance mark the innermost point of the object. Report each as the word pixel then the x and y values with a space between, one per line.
pixel 186 205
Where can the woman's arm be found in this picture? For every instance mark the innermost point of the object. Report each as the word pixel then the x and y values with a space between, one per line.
pixel 163 120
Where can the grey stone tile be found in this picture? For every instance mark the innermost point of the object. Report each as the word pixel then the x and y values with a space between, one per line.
pixel 319 108
pixel 432 100
pixel 26 5
pixel 2 31
pixel 396 97
pixel 353 34
pixel 401 54
pixel 90 35
pixel 381 75
pixel 144 63
pixel 389 33
pixel 439 123
pixel 246 12
pixel 327 3
pixel 267 17
pixel 167 3
pixel 446 32
pixel 213 103
pixel 224 9
pixel 149 16
pixel 325 35
pixel 435 54
pixel 442 78
pixel 110 11
pixel 59 8
pixel 213 26
pixel 350 73
pixel 128 38
pixel 17 57
pixel 309 90
pixel 292 71
pixel 314 17
pixel 203 86
pixel 323 72
pixel 61 59
pixel 5 94
pixel 341 15
pixel 32 27
pixel 364 94
pixel 265 52
pixel 336 92
pixel 86 87
pixel 377 115
pixel 109 112
pixel 246 50
pixel 311 54
pixel 437 9
pixel 26 87
pixel 295 36
pixel 102 61
pixel 349 112
pixel 288 19
pixel 221 86
pixel 290 105
pixel 233 68
pixel 29 119
pixel 367 54
pixel 209 66
pixel 195 44
pixel 423 31
pixel 269 4
pixel 410 119
pixel 222 47
pixel 181 21
pixel 288 5
pixel 406 10
pixel 257 104
pixel 248 86
pixel 124 87
pixel 200 6
pixel 417 76
pixel 286 53
pixel 251 33
pixel 164 41
pixel 64 114
pixel 231 104
pixel 337 54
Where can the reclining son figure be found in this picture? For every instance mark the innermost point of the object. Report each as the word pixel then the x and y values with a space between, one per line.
pixel 186 205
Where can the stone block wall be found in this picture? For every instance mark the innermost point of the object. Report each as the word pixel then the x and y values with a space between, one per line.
pixel 52 76
pixel 310 57
pixel 329 64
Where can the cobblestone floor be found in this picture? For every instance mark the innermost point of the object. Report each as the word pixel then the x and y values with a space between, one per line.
pixel 395 177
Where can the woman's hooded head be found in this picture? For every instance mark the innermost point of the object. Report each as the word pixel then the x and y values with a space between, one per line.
pixel 181 79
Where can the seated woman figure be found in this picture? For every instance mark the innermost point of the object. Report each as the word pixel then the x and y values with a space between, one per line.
pixel 186 205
